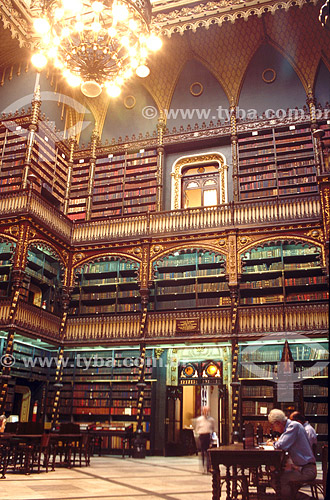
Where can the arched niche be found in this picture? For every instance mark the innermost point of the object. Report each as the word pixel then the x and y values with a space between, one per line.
pixel 322 85
pixel 198 161
pixel 132 113
pixel 198 97
pixel 270 82
pixel 44 277
pixel 189 278
pixel 107 284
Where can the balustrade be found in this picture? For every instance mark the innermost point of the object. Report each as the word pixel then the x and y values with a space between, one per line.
pixel 211 323
pixel 190 220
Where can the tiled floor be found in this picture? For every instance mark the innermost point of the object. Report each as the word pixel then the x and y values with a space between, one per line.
pixel 114 478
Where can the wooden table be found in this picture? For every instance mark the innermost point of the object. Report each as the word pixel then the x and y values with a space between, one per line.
pixel 234 457
pixel 126 435
pixel 14 441
pixel 68 443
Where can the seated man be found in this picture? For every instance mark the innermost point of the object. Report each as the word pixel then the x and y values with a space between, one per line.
pixel 310 431
pixel 294 440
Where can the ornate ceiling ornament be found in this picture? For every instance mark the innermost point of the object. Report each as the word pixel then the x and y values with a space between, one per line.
pixel 216 13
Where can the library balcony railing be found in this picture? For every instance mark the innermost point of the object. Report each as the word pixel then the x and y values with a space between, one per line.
pixel 230 215
pixel 212 323
pixel 27 202
pixel 30 319
pixel 191 220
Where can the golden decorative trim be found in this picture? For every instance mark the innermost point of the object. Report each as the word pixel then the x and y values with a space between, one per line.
pixel 187 325
pixel 194 92
pixel 13 230
pixel 129 101
pixel 77 257
pixel 272 78
pixel 156 249
pixel 279 237
pixel 196 160
pixel 216 13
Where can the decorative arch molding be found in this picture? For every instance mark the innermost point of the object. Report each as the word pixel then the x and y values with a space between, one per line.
pixel 216 13
pixel 170 251
pixel 77 267
pixel 276 239
pixel 198 159
pixel 5 238
pixel 54 252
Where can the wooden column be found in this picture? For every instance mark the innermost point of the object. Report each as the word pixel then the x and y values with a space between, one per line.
pixel 18 274
pixel 33 127
pixel 73 144
pixel 66 295
pixel 160 162
pixel 92 162
pixel 234 150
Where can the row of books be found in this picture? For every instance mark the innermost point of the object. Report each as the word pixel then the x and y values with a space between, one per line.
pixel 308 280
pixel 249 195
pixel 90 394
pixel 87 403
pixel 297 172
pixel 257 390
pixel 257 185
pixel 298 297
pixel 258 177
pixel 107 281
pixel 273 283
pixel 293 180
pixel 268 299
pixel 256 408
pixel 256 152
pixel 110 266
pixel 315 390
pixel 315 408
pixel 306 146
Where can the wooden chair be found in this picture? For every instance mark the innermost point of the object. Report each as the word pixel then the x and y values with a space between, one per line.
pixel 318 485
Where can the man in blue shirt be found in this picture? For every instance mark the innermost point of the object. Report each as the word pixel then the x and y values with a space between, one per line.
pixel 294 440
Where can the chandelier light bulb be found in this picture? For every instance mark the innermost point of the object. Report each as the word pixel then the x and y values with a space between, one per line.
pixel 73 6
pixel 132 25
pixel 59 13
pixel 96 26
pixel 79 26
pixel 73 80
pixel 65 32
pixel 52 52
pixel 125 41
pixel 97 7
pixel 39 60
pixel 154 43
pixel 41 26
pixel 112 32
pixel 134 63
pixel 142 71
pixel 113 90
pixel 120 12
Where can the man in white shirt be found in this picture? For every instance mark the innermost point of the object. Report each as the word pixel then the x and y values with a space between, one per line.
pixel 204 427
pixel 310 431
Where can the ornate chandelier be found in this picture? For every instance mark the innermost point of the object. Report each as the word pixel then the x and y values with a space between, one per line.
pixel 95 44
